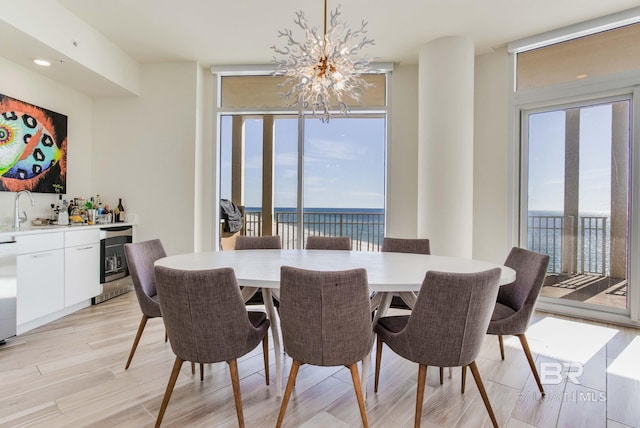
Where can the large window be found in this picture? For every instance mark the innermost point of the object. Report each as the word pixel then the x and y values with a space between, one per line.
pixel 295 176
pixel 576 106
pixel 343 171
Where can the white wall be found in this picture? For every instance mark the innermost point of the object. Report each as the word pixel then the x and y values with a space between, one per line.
pixel 491 147
pixel 145 152
pixel 206 238
pixel 491 210
pixel 402 154
pixel 25 85
pixel 445 152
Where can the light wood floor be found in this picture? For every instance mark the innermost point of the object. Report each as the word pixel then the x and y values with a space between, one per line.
pixel 70 373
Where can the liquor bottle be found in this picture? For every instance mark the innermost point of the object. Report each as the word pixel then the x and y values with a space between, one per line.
pixel 120 211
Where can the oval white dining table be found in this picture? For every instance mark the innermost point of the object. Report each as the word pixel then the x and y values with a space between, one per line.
pixel 386 272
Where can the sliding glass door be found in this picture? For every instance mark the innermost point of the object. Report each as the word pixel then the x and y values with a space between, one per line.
pixel 576 199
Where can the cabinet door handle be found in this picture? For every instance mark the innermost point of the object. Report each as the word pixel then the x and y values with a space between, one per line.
pixel 84 248
pixel 41 255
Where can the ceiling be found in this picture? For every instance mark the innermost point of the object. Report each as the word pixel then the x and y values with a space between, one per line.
pixel 242 31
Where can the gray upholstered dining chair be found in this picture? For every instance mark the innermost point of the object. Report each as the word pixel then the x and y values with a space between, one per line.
pixel 445 328
pixel 207 322
pixel 516 301
pixel 406 245
pixel 140 257
pixel 326 321
pixel 271 242
pixel 412 246
pixel 328 243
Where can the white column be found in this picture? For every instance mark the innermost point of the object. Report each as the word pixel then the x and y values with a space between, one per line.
pixel 445 152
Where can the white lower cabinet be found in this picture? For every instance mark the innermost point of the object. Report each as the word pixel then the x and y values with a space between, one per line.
pixel 81 266
pixel 40 276
pixel 56 271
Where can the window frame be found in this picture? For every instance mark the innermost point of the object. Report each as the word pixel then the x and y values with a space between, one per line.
pixel 251 70
pixel 620 84
pixel 524 187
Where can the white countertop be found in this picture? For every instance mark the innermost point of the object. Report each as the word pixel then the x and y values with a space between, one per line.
pixel 8 231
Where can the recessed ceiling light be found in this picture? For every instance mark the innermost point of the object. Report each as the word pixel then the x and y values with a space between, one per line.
pixel 42 62
pixel 582 76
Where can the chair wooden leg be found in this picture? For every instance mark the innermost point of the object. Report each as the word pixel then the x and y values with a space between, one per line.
pixel 532 364
pixel 364 375
pixel 464 379
pixel 287 392
pixel 483 392
pixel 166 336
pixel 193 367
pixel 265 356
pixel 358 388
pixel 143 323
pixel 501 342
pixel 167 394
pixel 378 360
pixel 201 372
pixel 235 383
pixel 422 376
pixel 441 375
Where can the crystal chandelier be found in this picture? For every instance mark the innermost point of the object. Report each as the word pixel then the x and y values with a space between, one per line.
pixel 325 68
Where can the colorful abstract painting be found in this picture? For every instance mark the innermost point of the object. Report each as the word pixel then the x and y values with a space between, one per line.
pixel 33 148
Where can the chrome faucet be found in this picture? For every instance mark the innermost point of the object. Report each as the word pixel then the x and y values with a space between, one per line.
pixel 16 205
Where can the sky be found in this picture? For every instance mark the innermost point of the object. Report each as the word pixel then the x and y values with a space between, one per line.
pixel 344 162
pixel 547 160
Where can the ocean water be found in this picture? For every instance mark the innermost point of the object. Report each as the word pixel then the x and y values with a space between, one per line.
pixel 547 233
pixel 365 226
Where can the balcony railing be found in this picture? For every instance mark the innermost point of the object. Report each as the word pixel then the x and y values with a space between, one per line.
pixel 549 234
pixel 593 244
pixel 252 223
pixel 546 234
pixel 366 230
